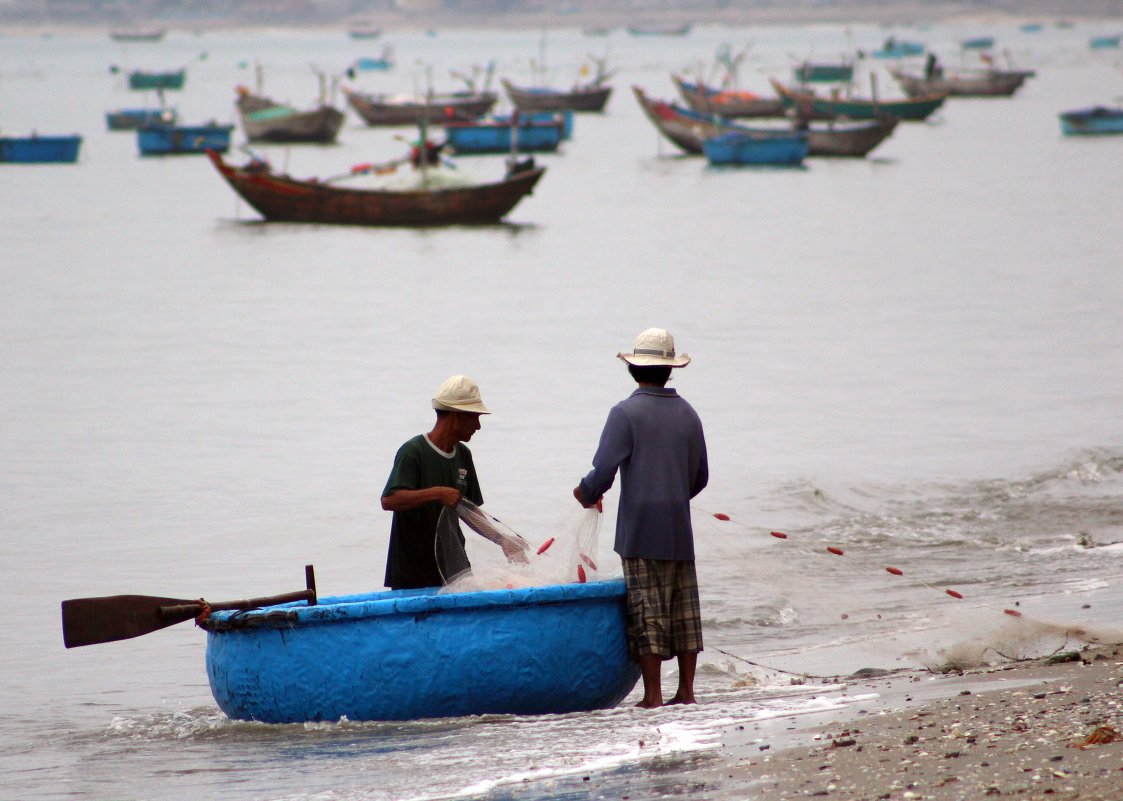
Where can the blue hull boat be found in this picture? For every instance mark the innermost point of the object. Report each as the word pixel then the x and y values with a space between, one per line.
pixel 1092 121
pixel 39 149
pixel 895 49
pixel 1104 42
pixel 129 119
pixel 409 654
pixel 468 138
pixel 736 148
pixel 978 43
pixel 168 140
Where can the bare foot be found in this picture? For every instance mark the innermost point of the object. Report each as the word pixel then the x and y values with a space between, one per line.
pixel 682 700
pixel 645 704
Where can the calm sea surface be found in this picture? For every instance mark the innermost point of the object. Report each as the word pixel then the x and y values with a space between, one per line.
pixel 915 358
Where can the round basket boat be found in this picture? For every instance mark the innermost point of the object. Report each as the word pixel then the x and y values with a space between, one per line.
pixel 407 654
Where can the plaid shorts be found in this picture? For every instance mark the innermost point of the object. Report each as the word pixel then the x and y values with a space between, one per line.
pixel 664 615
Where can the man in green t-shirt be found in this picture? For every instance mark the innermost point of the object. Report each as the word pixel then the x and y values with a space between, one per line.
pixel 433 471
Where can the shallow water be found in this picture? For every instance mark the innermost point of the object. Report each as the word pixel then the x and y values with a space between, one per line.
pixel 913 359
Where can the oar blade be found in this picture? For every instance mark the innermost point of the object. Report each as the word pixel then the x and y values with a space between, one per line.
pixel 88 621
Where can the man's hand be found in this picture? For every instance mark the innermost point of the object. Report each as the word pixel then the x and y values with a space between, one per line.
pixel 580 496
pixel 449 496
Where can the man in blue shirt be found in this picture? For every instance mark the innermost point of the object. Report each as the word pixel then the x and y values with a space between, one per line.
pixel 654 438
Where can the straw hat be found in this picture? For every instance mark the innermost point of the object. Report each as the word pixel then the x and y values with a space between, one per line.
pixel 459 394
pixel 655 347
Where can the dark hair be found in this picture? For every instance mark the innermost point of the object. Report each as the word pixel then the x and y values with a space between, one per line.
pixel 652 374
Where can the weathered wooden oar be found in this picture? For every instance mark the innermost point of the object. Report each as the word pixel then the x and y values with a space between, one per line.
pixel 88 621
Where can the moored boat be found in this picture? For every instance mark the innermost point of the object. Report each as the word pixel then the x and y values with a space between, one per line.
pixel 737 148
pixel 962 83
pixel 897 48
pixel 408 654
pixel 129 119
pixel 585 98
pixel 532 134
pixel 729 103
pixel 282 198
pixel 378 110
pixel 1105 42
pixel 812 72
pixel 1097 120
pixel 37 149
pixel 808 104
pixel 977 43
pixel 265 120
pixel 174 79
pixel 137 34
pixel 176 140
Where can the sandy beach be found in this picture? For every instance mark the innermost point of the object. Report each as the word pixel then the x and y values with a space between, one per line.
pixel 1042 729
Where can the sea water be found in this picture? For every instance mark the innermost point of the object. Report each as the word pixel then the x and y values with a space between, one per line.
pixel 913 359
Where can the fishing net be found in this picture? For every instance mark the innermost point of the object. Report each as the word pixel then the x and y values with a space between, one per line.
pixel 490 555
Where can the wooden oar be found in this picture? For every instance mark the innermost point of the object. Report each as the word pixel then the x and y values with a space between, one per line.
pixel 88 621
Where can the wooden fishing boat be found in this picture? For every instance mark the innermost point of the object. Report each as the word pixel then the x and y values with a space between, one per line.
pixel 660 28
pixel 409 654
pixel 178 140
pixel 141 80
pixel 810 72
pixel 977 43
pixel 585 98
pixel 739 148
pixel 37 149
pixel 533 135
pixel 807 103
pixel 265 120
pixel 378 110
pixel 129 119
pixel 137 35
pixel 688 129
pixel 731 104
pixel 281 198
pixel 962 83
pixel 1098 120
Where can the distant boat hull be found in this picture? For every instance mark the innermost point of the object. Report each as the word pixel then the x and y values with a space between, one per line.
pixel 129 119
pixel 1097 121
pixel 913 109
pixel 138 35
pixel 899 50
pixel 809 72
pixel 737 149
pixel 379 110
pixel 1104 42
pixel 176 140
pixel 979 83
pixel 266 121
pixel 279 198
pixel 39 149
pixel 495 137
pixel 585 99
pixel 157 80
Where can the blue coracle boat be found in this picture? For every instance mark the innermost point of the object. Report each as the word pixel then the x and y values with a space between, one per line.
pixel 1092 121
pixel 1105 42
pixel 494 136
pixel 734 147
pixel 166 140
pixel 893 48
pixel 977 43
pixel 36 149
pixel 408 654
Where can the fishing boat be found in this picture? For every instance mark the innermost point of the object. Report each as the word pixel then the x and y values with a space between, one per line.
pixel 282 198
pixel 590 97
pixel 380 110
pixel 37 149
pixel 895 48
pixel 532 134
pixel 731 104
pixel 265 120
pixel 660 28
pixel 807 103
pixel 977 43
pixel 173 79
pixel 364 31
pixel 137 35
pixel 687 129
pixel 811 72
pixel 129 119
pixel 962 83
pixel 1105 42
pixel 410 654
pixel 738 148
pixel 176 140
pixel 1098 120
pixel 379 63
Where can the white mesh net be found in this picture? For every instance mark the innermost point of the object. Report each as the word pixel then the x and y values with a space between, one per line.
pixel 489 555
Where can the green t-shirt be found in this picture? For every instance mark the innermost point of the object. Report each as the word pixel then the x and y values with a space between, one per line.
pixel 411 560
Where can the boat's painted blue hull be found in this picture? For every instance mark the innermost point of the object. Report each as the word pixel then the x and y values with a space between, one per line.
pixel 900 50
pixel 1093 121
pixel 39 149
pixel 166 140
pixel 495 137
pixel 1104 42
pixel 413 654
pixel 736 148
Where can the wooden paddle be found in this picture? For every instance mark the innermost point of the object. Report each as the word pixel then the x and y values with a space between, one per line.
pixel 88 621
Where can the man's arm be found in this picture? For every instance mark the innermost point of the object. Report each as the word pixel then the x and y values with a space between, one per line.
pixel 514 549
pixel 405 499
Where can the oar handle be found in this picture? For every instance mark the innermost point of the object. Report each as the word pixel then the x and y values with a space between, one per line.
pixel 181 610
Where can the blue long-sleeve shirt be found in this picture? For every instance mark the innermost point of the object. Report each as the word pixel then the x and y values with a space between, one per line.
pixel 654 438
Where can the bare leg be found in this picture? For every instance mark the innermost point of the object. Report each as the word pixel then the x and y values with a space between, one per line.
pixel 650 666
pixel 687 664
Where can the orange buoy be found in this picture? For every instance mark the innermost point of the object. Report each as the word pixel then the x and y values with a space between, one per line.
pixel 542 548
pixel 779 535
pixel 1012 612
pixel 580 574
pixel 721 515
pixel 835 551
pixel 954 594
pixel 896 571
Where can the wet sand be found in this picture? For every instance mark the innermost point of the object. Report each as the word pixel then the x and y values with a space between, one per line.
pixel 1033 730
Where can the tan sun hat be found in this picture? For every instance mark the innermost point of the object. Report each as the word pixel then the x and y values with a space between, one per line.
pixel 459 394
pixel 655 347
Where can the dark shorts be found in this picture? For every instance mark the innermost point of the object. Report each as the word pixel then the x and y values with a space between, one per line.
pixel 664 615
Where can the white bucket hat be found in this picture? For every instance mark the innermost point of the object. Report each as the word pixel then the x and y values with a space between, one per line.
pixel 655 347
pixel 459 394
